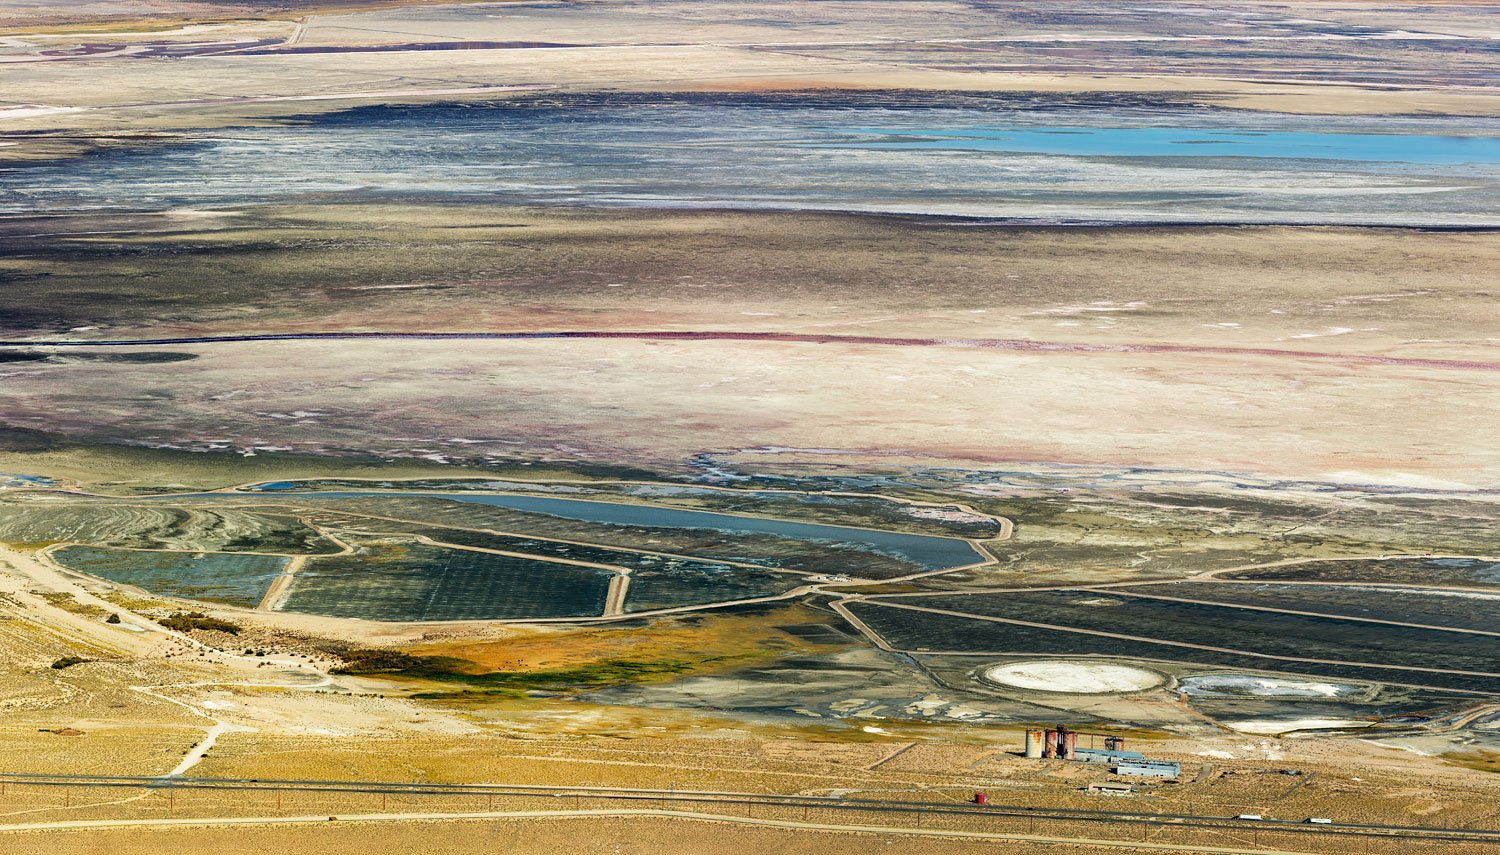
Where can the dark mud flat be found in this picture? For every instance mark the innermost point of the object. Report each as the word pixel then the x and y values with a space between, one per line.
pixel 1458 609
pixel 910 630
pixel 689 584
pixel 1253 631
pixel 1458 572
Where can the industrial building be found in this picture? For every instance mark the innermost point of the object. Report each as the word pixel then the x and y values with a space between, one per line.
pixel 1062 743
pixel 1106 756
pixel 1111 788
pixel 1148 768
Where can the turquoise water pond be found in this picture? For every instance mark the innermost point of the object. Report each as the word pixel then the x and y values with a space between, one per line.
pixel 926 550
pixel 1081 141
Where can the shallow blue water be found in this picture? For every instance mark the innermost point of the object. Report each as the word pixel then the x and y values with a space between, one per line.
pixel 928 551
pixel 8 479
pixel 1054 165
pixel 1188 142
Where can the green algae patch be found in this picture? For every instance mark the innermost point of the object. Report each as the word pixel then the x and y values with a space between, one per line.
pixel 471 683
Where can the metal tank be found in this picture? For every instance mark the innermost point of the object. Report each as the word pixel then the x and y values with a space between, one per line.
pixel 1034 744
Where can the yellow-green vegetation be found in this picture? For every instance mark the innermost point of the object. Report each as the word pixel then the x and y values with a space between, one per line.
pixel 471 681
pixel 133 602
pixel 1480 760
pixel 193 621
pixel 580 658
pixel 69 603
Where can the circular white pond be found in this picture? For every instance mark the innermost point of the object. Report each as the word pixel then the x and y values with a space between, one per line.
pixel 1082 678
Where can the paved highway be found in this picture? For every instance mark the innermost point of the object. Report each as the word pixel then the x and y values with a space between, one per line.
pixel 750 800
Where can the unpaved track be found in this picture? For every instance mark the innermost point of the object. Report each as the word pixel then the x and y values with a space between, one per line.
pixel 614 601
pixel 281 586
pixel 685 815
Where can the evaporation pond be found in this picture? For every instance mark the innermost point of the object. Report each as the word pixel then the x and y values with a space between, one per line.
pixel 926 550
pixel 233 579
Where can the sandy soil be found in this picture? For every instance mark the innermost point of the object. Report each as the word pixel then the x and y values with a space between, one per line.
pixel 532 837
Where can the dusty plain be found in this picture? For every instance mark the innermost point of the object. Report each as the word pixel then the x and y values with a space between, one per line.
pixel 1333 57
